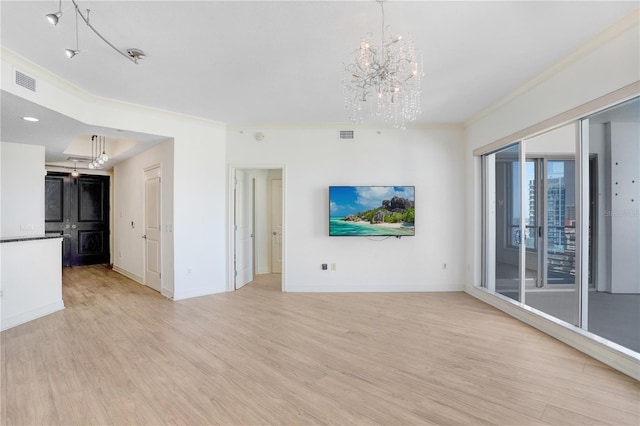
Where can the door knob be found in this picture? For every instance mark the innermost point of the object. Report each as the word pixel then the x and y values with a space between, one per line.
pixel 144 236
pixel 74 226
pixel 67 226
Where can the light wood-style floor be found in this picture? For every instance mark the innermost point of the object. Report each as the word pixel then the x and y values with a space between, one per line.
pixel 120 353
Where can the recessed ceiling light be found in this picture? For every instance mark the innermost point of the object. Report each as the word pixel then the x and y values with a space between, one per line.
pixel 27 118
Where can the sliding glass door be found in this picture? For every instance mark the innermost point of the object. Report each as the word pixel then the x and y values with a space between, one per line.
pixel 562 223
pixel 503 213
pixel 551 224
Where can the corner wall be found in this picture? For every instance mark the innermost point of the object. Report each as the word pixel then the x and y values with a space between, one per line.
pixel 609 63
pixel 128 212
pixel 314 159
pixel 198 175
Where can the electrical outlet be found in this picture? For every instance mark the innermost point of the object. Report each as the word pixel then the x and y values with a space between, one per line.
pixel 333 267
pixel 324 266
pixel 444 266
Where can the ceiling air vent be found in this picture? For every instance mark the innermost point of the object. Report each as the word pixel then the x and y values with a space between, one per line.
pixel 345 134
pixel 79 159
pixel 22 79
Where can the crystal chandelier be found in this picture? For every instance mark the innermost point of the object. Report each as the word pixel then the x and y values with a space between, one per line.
pixel 386 78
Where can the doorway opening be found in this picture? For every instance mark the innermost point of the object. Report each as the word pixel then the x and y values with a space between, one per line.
pixel 256 218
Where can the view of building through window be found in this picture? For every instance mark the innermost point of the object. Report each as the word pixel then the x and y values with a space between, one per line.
pixel 542 227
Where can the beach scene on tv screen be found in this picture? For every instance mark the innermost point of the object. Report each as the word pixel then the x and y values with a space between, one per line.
pixel 371 210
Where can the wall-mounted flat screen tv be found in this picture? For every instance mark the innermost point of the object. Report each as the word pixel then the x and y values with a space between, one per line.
pixel 372 211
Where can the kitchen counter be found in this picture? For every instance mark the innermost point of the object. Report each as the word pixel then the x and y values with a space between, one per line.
pixel 28 238
pixel 30 278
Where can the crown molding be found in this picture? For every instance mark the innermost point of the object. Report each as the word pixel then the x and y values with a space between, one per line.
pixel 632 19
pixel 344 126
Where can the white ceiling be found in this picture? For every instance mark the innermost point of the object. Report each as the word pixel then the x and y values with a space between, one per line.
pixel 281 62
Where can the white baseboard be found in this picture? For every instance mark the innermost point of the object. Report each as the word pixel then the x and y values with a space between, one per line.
pixel 609 353
pixel 371 288
pixel 166 293
pixel 31 315
pixel 128 274
pixel 197 292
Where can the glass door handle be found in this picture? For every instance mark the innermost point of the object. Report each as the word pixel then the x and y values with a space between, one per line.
pixel 540 231
pixel 518 237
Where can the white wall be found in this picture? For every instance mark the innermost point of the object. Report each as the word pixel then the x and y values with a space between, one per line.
pixel 314 159
pixel 22 190
pixel 30 289
pixel 128 208
pixel 559 142
pixel 623 219
pixel 199 180
pixel 30 271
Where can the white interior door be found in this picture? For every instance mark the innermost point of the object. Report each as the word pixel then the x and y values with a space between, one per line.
pixel 152 229
pixel 276 226
pixel 243 223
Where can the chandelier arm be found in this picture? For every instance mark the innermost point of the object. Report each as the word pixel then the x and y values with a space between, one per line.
pixel 86 21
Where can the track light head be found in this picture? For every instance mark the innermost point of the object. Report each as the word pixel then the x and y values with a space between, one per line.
pixel 71 53
pixel 135 54
pixel 54 17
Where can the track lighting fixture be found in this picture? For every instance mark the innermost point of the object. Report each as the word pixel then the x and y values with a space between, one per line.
pixel 133 54
pixel 71 52
pixel 54 17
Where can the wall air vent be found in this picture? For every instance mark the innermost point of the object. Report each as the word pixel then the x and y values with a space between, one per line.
pixel 345 134
pixel 24 80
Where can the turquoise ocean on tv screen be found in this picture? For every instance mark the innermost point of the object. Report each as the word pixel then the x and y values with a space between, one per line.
pixel 339 227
